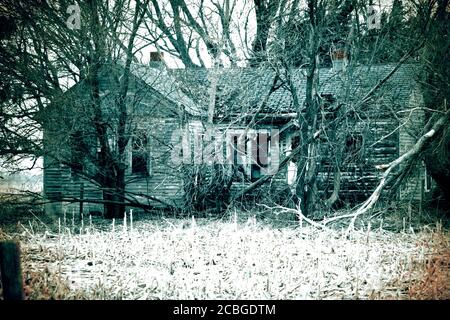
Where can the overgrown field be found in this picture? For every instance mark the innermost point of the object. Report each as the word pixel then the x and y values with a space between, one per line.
pixel 230 258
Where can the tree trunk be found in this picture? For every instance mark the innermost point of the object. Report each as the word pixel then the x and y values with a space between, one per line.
pixel 306 181
pixel 265 12
pixel 115 208
pixel 436 92
pixel 437 161
pixel 114 195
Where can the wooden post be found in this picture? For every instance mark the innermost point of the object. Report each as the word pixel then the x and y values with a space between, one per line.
pixel 11 273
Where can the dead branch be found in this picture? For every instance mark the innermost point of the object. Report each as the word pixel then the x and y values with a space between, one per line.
pixel 414 151
pixel 298 212
pixel 391 73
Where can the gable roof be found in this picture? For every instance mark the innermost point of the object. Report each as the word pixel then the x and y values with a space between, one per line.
pixel 167 85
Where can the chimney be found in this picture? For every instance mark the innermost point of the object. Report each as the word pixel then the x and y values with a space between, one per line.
pixel 157 60
pixel 339 59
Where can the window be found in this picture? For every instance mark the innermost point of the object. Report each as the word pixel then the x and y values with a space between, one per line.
pixel 236 154
pixel 250 155
pixel 353 147
pixel 139 154
pixel 260 157
pixel 327 100
pixel 235 150
pixel 295 143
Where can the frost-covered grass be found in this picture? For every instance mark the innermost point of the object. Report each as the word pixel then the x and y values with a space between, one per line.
pixel 227 259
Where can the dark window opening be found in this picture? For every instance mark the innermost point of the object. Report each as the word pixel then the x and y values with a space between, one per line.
pixel 353 147
pixel 77 167
pixel 295 143
pixel 238 152
pixel 328 99
pixel 261 160
pixel 256 172
pixel 262 151
pixel 139 156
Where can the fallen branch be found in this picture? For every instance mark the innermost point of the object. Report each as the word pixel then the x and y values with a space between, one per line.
pixel 298 212
pixel 416 149
pixel 301 216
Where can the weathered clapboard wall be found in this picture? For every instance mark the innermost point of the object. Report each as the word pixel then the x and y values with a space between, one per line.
pixel 358 175
pixel 155 114
pixel 413 123
pixel 164 180
pixel 380 122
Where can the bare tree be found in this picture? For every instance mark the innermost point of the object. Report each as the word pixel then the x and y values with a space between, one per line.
pixel 51 54
pixel 433 19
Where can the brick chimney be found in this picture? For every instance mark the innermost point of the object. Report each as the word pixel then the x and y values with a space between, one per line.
pixel 157 60
pixel 339 59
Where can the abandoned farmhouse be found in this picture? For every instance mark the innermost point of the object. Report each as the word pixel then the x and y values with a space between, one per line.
pixel 240 118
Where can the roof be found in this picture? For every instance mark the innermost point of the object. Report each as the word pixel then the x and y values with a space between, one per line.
pixel 241 89
pixel 161 80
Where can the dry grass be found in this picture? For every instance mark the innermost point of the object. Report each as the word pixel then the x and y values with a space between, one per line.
pixel 434 282
pixel 227 259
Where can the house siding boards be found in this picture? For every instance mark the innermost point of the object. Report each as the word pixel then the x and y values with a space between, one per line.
pixel 376 123
pixel 151 112
pixel 411 128
pixel 161 183
pixel 164 180
pixel 359 177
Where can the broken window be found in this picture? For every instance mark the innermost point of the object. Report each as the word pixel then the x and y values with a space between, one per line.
pixel 237 153
pixel 260 149
pixel 250 155
pixel 140 154
pixel 295 143
pixel 327 100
